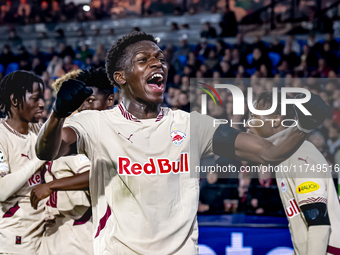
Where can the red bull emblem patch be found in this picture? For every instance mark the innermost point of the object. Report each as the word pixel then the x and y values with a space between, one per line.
pixel 177 137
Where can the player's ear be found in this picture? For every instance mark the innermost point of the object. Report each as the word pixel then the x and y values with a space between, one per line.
pixel 110 100
pixel 119 77
pixel 14 102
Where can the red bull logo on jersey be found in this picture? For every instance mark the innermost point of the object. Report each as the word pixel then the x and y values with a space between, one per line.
pixel 177 137
pixel 34 180
pixel 153 166
pixel 292 210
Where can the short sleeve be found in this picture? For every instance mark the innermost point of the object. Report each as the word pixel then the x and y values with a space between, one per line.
pixel 79 164
pixel 84 126
pixel 4 167
pixel 310 186
pixel 202 130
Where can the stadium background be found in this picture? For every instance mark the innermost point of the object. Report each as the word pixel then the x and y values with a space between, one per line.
pixel 200 39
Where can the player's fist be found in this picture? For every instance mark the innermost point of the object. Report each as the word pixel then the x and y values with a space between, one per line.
pixel 70 97
pixel 319 110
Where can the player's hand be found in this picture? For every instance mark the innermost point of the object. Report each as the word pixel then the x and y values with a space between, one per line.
pixel 70 97
pixel 319 110
pixel 39 192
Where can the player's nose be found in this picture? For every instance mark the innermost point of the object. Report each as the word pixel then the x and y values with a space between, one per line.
pixel 41 103
pixel 155 63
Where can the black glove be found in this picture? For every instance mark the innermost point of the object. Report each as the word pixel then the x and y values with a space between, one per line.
pixel 70 97
pixel 319 110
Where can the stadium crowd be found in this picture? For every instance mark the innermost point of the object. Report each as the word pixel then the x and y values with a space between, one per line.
pixel 25 12
pixel 299 62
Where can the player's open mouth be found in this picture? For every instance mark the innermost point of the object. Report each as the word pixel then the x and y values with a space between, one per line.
pixel 156 82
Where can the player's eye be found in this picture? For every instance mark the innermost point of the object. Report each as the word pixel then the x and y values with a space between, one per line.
pixel 162 60
pixel 142 59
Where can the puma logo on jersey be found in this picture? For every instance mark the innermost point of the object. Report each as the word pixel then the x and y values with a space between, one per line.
pixel 25 156
pixel 126 137
pixel 292 210
pixel 153 166
pixel 303 160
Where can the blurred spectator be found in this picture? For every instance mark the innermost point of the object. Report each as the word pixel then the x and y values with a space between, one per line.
pixel 220 47
pixel 84 52
pixel 202 49
pixel 38 66
pixel 174 27
pixel 24 12
pixel 212 61
pixel 155 8
pixel 66 66
pixel 101 52
pixel 334 139
pixel 7 56
pixel 228 23
pixel 49 99
pixel 167 7
pixel 96 62
pixel 208 31
pixel 243 47
pixel 50 53
pixel 193 62
pixel 329 56
pixel 14 38
pixel 323 69
pixel 260 59
pixel 277 46
pixel 24 59
pixel 225 70
pixel 258 43
pixel 64 51
pixel 211 195
pixel 8 13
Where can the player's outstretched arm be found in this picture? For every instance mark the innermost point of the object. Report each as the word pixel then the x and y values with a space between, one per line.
pixel 12 182
pixel 269 151
pixel 55 141
pixel 76 182
pixel 228 142
pixel 319 228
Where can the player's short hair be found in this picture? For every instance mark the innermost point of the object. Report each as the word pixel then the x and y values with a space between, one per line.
pixel 92 78
pixel 116 55
pixel 266 98
pixel 70 75
pixel 16 83
pixel 97 78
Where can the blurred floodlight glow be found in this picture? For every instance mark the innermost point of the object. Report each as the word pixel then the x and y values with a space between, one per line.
pixel 86 8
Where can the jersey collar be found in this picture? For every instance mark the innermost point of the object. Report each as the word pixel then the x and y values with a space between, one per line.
pixel 130 117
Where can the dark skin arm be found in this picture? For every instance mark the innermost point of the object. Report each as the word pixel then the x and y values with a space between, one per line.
pixel 76 182
pixel 272 150
pixel 54 141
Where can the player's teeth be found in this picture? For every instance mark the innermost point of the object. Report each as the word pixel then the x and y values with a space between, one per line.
pixel 157 75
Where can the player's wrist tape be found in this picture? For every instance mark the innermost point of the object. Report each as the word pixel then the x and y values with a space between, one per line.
pixel 302 129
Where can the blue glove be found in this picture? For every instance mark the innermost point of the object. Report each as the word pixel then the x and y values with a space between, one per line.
pixel 70 97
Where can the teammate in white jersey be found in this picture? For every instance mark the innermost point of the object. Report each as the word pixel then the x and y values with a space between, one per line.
pixel 144 200
pixel 308 196
pixel 70 210
pixel 21 227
